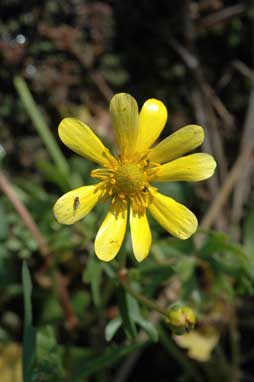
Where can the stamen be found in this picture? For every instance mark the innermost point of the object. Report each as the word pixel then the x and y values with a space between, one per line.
pixel 152 170
pixel 128 181
pixel 101 173
pixel 110 158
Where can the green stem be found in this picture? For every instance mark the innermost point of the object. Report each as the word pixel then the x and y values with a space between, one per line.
pixel 178 355
pixel 40 124
pixel 141 298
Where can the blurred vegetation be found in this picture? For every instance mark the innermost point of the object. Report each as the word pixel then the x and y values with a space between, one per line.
pixel 76 317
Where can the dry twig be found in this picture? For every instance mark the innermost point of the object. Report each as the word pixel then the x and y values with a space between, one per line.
pixel 221 16
pixel 63 294
pixel 23 212
pixel 243 184
pixel 226 189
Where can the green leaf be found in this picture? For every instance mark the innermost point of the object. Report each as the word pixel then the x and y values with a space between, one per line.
pixel 225 256
pixel 3 222
pixel 248 241
pixel 27 288
pixel 29 335
pixel 184 267
pixel 233 266
pixel 220 242
pixel 137 317
pixel 49 364
pixel 172 247
pixel 29 348
pixel 149 328
pixel 112 327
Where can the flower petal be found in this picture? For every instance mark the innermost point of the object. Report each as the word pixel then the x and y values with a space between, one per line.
pixel 82 140
pixel 111 233
pixel 75 204
pixel 175 145
pixel 191 168
pixel 124 114
pixel 173 216
pixel 152 119
pixel 140 235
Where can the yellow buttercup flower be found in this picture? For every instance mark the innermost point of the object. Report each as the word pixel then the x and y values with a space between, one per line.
pixel 127 179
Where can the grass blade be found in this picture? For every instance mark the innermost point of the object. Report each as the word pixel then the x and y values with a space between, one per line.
pixel 40 124
pixel 29 335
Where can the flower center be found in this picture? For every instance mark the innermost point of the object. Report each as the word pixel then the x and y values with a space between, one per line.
pixel 129 178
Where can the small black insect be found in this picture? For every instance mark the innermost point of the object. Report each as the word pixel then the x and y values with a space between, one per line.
pixel 76 204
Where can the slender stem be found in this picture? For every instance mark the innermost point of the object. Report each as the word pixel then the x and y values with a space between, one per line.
pixel 40 124
pixel 27 218
pixel 65 300
pixel 141 298
pixel 62 291
pixel 96 77
pixel 220 16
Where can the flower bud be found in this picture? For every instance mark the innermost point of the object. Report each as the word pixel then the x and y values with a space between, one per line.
pixel 181 319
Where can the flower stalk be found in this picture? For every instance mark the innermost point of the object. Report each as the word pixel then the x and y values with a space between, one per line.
pixel 123 280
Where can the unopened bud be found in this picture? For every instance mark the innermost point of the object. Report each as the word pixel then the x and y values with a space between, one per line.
pixel 181 319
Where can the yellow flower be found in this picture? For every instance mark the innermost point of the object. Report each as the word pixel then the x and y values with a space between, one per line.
pixel 127 178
